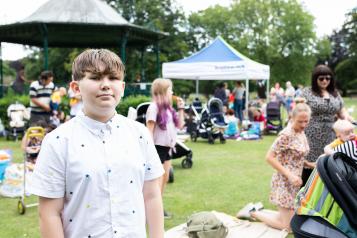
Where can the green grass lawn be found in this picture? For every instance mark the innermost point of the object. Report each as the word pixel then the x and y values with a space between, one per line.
pixel 223 178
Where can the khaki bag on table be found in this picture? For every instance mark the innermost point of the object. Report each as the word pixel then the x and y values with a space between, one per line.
pixel 205 225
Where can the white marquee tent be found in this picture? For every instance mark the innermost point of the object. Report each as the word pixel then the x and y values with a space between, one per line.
pixel 217 61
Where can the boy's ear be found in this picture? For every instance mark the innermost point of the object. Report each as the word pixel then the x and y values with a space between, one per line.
pixel 75 87
pixel 123 89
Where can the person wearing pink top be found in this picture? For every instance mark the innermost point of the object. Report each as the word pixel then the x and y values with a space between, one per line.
pixel 162 121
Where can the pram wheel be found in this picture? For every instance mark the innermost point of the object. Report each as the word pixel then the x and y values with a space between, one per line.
pixel 21 207
pixel 222 140
pixel 171 175
pixel 210 139
pixel 187 163
pixel 193 136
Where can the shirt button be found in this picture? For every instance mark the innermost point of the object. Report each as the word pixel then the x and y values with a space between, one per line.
pixel 109 170
pixel 103 142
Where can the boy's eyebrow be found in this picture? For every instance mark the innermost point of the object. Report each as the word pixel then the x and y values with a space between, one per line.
pixel 100 74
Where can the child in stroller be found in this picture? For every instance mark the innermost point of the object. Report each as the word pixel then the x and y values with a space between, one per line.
pixel 31 143
pixel 344 130
pixel 327 205
pixel 17 114
pixel 211 124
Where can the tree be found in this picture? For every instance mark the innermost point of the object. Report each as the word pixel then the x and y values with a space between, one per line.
pixel 58 58
pixel 323 50
pixel 161 15
pixel 274 32
pixel 346 65
pixel 339 48
pixel 350 27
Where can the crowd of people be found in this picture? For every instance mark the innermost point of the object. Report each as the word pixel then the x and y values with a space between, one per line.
pixel 318 116
pixel 73 183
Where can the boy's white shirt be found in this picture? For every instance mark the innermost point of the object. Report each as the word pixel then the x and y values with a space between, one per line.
pixel 100 169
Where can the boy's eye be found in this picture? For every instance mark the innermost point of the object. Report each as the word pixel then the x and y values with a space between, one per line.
pixel 114 77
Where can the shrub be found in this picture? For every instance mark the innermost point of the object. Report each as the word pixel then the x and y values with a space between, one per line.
pixel 131 101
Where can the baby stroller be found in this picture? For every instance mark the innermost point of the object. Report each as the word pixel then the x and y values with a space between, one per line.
pixel 181 150
pixel 34 137
pixel 273 117
pixel 327 205
pixel 210 124
pixel 17 114
pixel 197 104
pixel 194 116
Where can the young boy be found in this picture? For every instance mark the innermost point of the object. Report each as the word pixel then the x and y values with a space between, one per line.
pixel 97 174
pixel 344 131
pixel 56 98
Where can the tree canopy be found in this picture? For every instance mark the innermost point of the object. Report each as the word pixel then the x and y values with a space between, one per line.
pixel 274 32
pixel 345 53
pixel 279 33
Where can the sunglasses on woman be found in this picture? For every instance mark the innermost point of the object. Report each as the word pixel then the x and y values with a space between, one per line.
pixel 324 77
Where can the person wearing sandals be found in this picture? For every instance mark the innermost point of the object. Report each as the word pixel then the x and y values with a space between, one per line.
pixel 286 156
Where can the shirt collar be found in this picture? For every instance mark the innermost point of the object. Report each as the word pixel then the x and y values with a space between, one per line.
pixel 99 128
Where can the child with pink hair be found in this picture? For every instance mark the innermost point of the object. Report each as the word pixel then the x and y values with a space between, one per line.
pixel 162 121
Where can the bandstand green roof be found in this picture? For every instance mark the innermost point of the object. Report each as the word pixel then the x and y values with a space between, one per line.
pixel 82 24
pixel 77 23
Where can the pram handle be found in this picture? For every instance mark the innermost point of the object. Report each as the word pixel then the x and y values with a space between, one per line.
pixel 35 131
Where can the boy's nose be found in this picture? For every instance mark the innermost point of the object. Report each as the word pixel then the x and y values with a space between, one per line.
pixel 105 83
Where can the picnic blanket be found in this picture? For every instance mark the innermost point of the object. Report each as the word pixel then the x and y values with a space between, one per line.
pixel 236 229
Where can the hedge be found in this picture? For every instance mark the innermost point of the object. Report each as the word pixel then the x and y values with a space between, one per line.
pixel 131 101
pixel 10 98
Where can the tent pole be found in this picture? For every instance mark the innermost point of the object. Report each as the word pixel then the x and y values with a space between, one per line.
pixel 267 89
pixel 1 74
pixel 142 62
pixel 246 98
pixel 197 87
pixel 123 42
pixel 157 51
pixel 45 46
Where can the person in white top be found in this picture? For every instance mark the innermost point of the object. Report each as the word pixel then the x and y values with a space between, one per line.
pixel 289 96
pixel 97 175
pixel 162 121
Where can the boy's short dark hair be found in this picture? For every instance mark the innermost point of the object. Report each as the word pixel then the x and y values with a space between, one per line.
pixel 46 74
pixel 100 61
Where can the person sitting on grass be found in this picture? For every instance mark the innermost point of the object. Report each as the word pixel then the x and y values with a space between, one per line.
pixel 232 129
pixel 286 156
pixel 97 175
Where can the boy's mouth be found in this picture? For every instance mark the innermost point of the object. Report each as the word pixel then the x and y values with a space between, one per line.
pixel 105 95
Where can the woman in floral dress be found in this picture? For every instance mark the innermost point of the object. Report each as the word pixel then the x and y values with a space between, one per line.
pixel 286 156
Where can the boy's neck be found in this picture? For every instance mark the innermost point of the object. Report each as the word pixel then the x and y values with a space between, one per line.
pixel 101 118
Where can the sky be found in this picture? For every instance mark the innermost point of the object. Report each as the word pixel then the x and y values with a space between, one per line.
pixel 329 15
